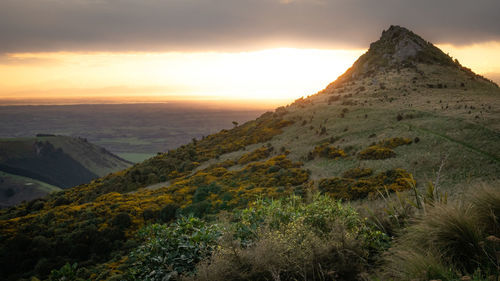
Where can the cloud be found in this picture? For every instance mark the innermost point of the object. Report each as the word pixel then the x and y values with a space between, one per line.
pixel 225 25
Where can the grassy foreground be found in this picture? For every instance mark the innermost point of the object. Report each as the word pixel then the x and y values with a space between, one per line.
pixel 320 238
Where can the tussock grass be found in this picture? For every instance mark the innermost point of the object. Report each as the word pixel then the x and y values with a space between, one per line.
pixel 449 241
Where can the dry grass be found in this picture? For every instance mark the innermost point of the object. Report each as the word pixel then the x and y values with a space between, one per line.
pixel 450 240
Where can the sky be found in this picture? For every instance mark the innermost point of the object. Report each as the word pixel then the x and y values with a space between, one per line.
pixel 274 50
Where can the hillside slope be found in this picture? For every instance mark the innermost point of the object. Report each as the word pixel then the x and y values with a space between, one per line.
pixel 15 189
pixel 58 161
pixel 404 111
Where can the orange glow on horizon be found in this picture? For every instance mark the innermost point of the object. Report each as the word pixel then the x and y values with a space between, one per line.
pixel 274 75
pixel 279 74
pixel 482 58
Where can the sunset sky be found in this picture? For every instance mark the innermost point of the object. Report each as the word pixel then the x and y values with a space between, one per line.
pixel 219 49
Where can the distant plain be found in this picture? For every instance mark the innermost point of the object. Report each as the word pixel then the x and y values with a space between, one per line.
pixel 132 131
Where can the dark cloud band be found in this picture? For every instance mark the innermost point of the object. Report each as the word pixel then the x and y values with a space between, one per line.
pixel 224 25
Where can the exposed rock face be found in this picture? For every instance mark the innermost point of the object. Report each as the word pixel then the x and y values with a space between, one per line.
pixel 398 47
pixel 406 43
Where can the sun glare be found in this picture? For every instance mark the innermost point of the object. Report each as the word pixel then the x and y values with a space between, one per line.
pixel 279 74
pixel 482 58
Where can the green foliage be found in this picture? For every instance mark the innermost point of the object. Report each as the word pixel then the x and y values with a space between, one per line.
pixel 215 188
pixel 376 152
pixel 383 149
pixel 122 221
pixel 356 173
pixel 169 251
pixel 168 212
pixel 203 192
pixel 67 272
pixel 258 154
pixel 351 188
pixel 288 239
pixel 327 151
pixel 394 215
pixel 91 233
pixel 88 223
pixel 394 142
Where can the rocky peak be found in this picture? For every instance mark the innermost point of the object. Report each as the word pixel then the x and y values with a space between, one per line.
pixel 399 44
pixel 398 47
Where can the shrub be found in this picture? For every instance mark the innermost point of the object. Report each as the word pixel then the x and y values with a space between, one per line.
pixel 168 212
pixel 352 188
pixel 358 173
pixel 149 214
pixel 67 272
pixel 383 149
pixel 325 150
pixel 394 142
pixel 197 209
pixel 122 221
pixel 258 154
pixel 376 152
pixel 288 239
pixel 269 178
pixel 203 192
pixel 169 251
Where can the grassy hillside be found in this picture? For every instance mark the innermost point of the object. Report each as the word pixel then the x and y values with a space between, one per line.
pixel 55 160
pixel 95 159
pixel 403 115
pixel 14 189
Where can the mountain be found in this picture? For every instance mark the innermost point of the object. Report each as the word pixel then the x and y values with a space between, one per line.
pixel 33 167
pixel 405 114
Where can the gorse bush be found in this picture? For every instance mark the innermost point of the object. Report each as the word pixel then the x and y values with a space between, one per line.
pixel 352 188
pixel 77 224
pixel 394 142
pixel 216 188
pixel 383 149
pixel 288 239
pixel 258 154
pixel 328 151
pixel 169 251
pixel 451 240
pixel 376 152
pixel 356 173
